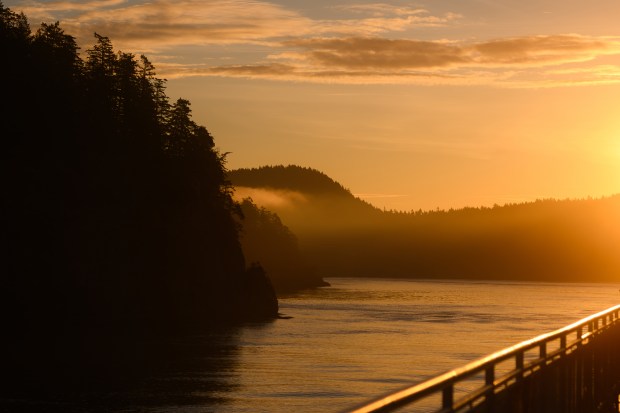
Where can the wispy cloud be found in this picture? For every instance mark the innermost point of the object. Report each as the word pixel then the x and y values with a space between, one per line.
pixel 36 8
pixel 270 197
pixel 543 50
pixel 421 16
pixel 368 19
pixel 533 60
pixel 172 23
pixel 381 9
pixel 378 53
pixel 373 196
pixel 267 40
pixel 181 22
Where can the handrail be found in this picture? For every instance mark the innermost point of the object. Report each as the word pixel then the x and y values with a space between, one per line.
pixel 444 383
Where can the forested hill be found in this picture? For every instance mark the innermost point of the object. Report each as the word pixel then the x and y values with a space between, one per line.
pixel 117 212
pixel 547 240
pixel 306 199
pixel 291 177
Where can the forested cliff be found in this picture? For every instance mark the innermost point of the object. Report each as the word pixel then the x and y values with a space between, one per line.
pixel 266 240
pixel 117 211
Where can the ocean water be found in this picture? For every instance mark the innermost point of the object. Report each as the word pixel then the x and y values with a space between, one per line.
pixel 361 338
pixel 337 347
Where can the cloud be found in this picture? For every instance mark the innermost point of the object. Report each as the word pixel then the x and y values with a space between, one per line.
pixel 183 22
pixel 384 10
pixel 66 6
pixel 270 197
pixel 379 53
pixel 63 10
pixel 259 39
pixel 594 75
pixel 373 196
pixel 523 61
pixel 254 70
pixel 293 73
pixel 601 70
pixel 381 18
pixel 381 9
pixel 172 23
pixel 535 50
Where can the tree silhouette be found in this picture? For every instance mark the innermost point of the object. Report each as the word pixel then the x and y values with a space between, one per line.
pixel 118 215
pixel 267 240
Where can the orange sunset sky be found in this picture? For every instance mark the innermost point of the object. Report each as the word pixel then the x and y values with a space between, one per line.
pixel 409 104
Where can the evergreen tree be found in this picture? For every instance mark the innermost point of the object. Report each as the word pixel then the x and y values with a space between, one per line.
pixel 118 213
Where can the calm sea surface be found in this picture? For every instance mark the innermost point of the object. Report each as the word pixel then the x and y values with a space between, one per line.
pixel 342 345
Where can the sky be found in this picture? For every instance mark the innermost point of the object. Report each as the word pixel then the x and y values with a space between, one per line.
pixel 409 104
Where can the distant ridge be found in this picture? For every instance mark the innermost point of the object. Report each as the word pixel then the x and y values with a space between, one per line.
pixel 545 240
pixel 291 177
pixel 306 199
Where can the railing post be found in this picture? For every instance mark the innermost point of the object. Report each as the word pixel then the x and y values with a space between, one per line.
pixel 447 398
pixel 519 365
pixel 520 388
pixel 489 381
pixel 489 375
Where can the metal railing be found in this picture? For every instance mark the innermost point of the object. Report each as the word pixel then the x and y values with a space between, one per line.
pixel 573 369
